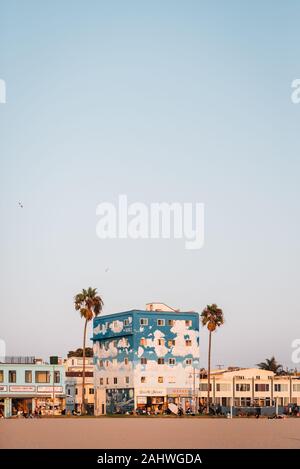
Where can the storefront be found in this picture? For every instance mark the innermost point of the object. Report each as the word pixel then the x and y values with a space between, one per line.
pixel 29 386
pixel 182 397
pixel 151 400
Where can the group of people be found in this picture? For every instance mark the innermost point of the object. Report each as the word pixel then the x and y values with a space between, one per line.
pixel 37 413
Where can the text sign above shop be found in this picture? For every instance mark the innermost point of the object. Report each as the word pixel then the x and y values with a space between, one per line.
pixel 151 392
pixel 22 388
pixel 49 389
pixel 179 392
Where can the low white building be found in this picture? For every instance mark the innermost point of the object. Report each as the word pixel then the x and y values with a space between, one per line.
pixel 73 383
pixel 246 387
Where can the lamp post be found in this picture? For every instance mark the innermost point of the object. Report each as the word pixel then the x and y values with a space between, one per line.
pixel 53 393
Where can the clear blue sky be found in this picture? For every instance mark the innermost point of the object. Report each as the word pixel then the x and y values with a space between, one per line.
pixel 162 101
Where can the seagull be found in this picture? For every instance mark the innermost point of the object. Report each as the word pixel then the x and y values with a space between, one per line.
pixel 21 205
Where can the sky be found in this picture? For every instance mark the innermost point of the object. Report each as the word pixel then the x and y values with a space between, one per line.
pixel 164 101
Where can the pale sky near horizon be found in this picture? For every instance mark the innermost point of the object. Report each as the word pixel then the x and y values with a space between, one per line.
pixel 174 101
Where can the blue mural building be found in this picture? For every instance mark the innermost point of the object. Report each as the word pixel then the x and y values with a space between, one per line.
pixel 145 359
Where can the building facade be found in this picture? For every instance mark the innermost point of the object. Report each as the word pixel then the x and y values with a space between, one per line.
pixel 73 372
pixel 28 384
pixel 250 387
pixel 145 359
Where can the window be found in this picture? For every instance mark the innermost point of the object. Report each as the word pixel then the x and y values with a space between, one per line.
pixel 91 391
pixel 12 376
pixel 172 379
pixel 84 391
pixel 143 361
pixel 126 322
pixel 101 381
pixel 171 343
pixel 296 387
pixel 126 379
pixel 245 401
pixel 107 363
pixel 188 361
pixel 242 387
pixel 188 342
pixel 223 387
pixel 172 361
pixel 107 380
pixel 261 387
pixel 115 380
pixel 126 361
pixel 143 341
pixel 143 322
pixel 160 322
pixel 160 341
pixel 188 323
pixel 1 376
pixel 143 379
pixel 161 361
pixel 281 387
pixel 76 391
pixel 28 376
pixel 170 322
pixel 160 379
pixel 204 387
pixel 42 376
pixel 101 363
pixel 56 376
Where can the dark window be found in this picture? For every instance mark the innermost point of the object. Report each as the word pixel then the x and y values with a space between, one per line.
pixel 56 376
pixel 28 376
pixel 12 376
pixel 161 361
pixel 91 391
pixel 261 387
pixel 242 387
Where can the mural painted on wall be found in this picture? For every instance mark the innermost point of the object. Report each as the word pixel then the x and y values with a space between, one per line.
pixel 142 348
pixel 119 401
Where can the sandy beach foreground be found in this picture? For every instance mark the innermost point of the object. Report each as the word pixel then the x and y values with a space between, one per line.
pixel 149 433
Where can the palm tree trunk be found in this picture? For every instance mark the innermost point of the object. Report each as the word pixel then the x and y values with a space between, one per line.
pixel 208 372
pixel 83 369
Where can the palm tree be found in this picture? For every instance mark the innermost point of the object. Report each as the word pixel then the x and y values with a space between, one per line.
pixel 271 365
pixel 89 304
pixel 211 317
